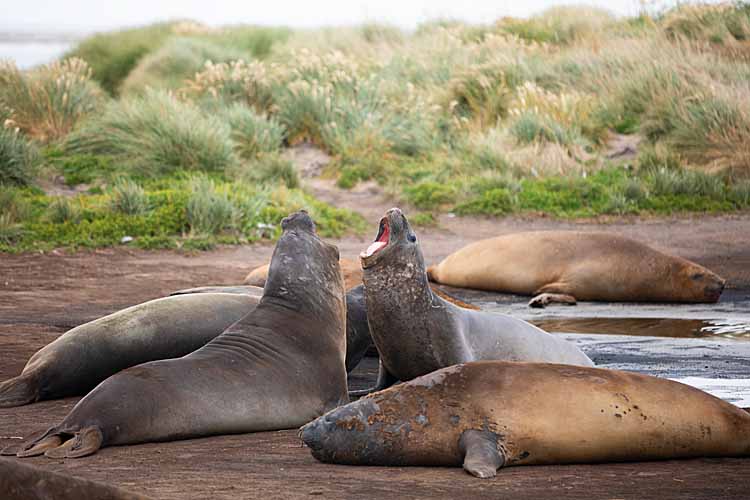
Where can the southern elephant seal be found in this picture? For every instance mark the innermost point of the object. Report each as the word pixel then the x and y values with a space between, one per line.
pixel 351 269
pixel 358 339
pixel 163 328
pixel 417 332
pixel 279 367
pixel 490 414
pixel 565 266
pixel 19 481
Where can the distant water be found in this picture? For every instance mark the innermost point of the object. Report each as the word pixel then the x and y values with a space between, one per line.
pixel 27 54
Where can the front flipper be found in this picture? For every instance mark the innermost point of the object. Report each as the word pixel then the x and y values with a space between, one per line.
pixel 85 442
pixel 544 299
pixel 481 455
pixel 385 380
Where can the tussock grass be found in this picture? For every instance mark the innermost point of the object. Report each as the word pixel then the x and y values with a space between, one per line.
pixel 253 133
pixel 62 209
pixel 46 103
pixel 177 60
pixel 17 157
pixel 113 55
pixel 128 197
pixel 156 134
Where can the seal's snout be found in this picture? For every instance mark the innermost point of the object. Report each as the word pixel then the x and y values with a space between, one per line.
pixel 714 290
pixel 298 220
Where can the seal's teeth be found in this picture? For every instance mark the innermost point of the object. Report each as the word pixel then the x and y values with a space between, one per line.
pixel 377 245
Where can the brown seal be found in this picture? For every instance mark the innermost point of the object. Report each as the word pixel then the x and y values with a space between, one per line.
pixel 565 266
pixel 490 414
pixel 278 367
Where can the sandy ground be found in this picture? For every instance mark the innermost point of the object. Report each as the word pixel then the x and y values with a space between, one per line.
pixel 43 295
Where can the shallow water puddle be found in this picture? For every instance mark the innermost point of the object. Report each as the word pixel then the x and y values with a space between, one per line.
pixel 738 329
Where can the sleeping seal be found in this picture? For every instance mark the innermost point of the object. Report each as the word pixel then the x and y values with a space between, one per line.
pixel 163 328
pixel 278 367
pixel 490 414
pixel 565 266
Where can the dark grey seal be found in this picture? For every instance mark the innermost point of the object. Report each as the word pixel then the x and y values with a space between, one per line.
pixel 417 332
pixel 277 368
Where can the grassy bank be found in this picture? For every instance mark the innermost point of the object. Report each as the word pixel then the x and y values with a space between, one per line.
pixel 174 133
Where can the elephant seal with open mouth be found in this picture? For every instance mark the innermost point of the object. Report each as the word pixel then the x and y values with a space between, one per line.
pixel 417 332
pixel 490 414
pixel 279 367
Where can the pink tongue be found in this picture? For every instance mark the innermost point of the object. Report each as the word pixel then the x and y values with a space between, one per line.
pixel 377 245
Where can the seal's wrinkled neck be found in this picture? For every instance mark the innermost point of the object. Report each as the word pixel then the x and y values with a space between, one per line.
pixel 304 274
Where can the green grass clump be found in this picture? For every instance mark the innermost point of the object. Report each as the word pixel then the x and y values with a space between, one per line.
pixel 175 61
pixel 47 102
pixel 209 210
pixel 17 158
pixel 423 219
pixel 128 197
pixel 156 134
pixel 531 127
pixel 559 25
pixel 271 169
pixel 254 134
pixel 723 24
pixel 430 194
pixel 62 209
pixel 113 55
pixel 79 168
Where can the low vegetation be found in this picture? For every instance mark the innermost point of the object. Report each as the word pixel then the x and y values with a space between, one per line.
pixel 175 133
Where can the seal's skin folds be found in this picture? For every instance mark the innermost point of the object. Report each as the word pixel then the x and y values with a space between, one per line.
pixel 277 368
pixel 581 265
pixel 417 332
pixel 535 413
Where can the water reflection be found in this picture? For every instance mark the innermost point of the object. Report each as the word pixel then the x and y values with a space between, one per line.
pixel 653 327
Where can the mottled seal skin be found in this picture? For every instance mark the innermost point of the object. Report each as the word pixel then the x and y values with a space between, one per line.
pixel 163 328
pixel 490 414
pixel 358 339
pixel 279 367
pixel 19 481
pixel 417 332
pixel 351 269
pixel 565 266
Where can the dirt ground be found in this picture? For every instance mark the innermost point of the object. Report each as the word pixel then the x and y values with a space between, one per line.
pixel 43 295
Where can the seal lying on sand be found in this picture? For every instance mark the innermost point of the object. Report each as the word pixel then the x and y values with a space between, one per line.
pixel 417 332
pixel 159 329
pixel 490 414
pixel 279 367
pixel 565 266
pixel 351 269
pixel 19 481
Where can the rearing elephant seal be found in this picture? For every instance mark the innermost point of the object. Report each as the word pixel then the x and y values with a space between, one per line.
pixel 417 332
pixel 491 414
pixel 279 367
pixel 159 329
pixel 565 266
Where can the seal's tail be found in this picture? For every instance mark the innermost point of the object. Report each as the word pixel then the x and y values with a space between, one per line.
pixel 18 391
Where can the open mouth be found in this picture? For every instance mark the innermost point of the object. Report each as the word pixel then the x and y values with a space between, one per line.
pixel 381 241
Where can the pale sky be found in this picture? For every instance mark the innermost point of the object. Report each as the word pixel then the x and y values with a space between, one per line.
pixel 88 15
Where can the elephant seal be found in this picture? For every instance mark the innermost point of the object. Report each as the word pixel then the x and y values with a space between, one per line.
pixel 19 481
pixel 279 367
pixel 565 266
pixel 159 329
pixel 417 332
pixel 358 339
pixel 351 269
pixel 490 414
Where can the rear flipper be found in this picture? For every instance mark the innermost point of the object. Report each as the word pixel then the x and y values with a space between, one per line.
pixel 481 455
pixel 19 391
pixel 56 444
pixel 544 299
pixel 385 380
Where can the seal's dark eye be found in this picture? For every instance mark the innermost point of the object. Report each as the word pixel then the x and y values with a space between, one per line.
pixel 412 237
